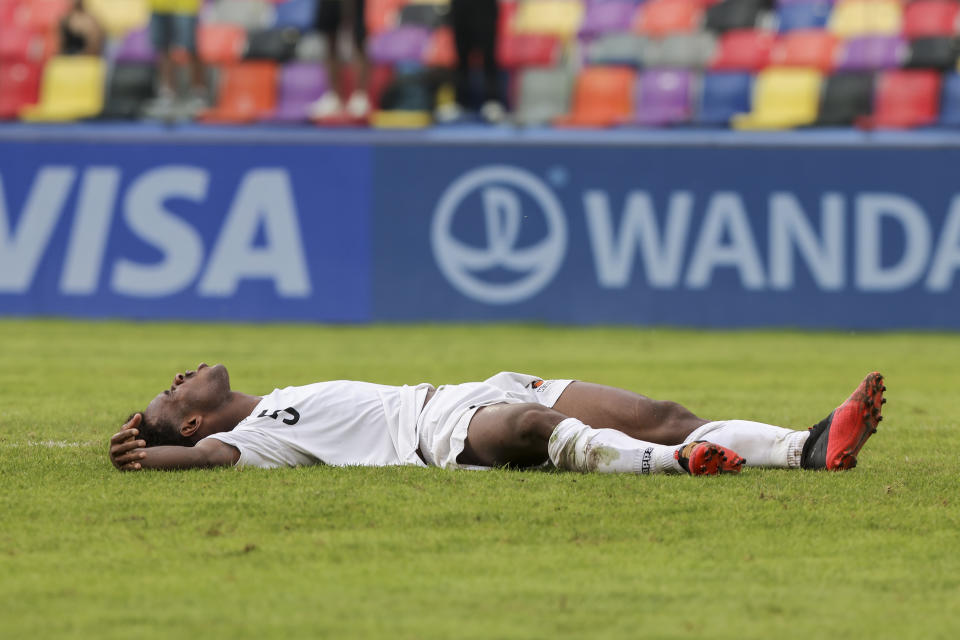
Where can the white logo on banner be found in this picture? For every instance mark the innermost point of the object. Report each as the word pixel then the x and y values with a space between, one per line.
pixel 500 188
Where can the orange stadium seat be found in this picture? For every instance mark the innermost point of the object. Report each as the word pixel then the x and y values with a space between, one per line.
pixel 440 50
pixel 602 97
pixel 381 15
pixel 221 43
pixel 528 50
pixel 930 18
pixel 814 48
pixel 905 99
pixel 19 87
pixel 663 17
pixel 743 50
pixel 248 92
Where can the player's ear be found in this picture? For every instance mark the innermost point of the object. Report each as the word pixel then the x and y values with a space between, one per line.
pixel 190 425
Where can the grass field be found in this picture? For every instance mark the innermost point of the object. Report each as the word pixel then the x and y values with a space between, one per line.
pixel 86 551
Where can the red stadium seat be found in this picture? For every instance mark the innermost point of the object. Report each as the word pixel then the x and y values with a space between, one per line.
pixel 528 50
pixel 440 50
pixel 905 99
pixel 21 45
pixel 248 92
pixel 743 50
pixel 663 17
pixel 19 87
pixel 930 18
pixel 221 43
pixel 813 48
pixel 602 97
pixel 381 15
pixel 40 16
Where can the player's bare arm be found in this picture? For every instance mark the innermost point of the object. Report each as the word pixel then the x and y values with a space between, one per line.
pixel 127 453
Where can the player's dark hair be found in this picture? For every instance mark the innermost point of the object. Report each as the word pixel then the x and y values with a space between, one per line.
pixel 157 433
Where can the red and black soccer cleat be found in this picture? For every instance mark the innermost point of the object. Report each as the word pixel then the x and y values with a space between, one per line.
pixel 702 458
pixel 836 440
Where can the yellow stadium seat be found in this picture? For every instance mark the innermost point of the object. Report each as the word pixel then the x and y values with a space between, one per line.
pixel 783 98
pixel 119 17
pixel 72 88
pixel 851 18
pixel 554 17
pixel 401 119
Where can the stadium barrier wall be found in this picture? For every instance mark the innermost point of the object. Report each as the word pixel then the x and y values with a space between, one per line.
pixel 857 236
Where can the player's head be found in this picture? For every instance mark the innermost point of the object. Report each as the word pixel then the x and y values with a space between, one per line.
pixel 183 414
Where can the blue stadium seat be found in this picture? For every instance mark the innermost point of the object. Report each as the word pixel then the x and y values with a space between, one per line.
pixel 299 14
pixel 803 15
pixel 950 102
pixel 723 95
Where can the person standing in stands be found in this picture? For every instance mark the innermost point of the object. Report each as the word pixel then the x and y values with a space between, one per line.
pixel 331 15
pixel 475 31
pixel 79 32
pixel 173 25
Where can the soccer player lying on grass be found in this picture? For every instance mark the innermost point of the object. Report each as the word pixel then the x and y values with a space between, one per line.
pixel 510 419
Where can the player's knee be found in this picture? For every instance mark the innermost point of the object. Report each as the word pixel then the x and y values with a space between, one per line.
pixel 535 423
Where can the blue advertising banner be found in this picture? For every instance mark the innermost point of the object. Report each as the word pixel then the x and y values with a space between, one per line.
pixel 697 236
pixel 195 231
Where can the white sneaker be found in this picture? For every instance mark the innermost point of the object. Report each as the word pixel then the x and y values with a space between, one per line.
pixel 492 112
pixel 449 112
pixel 195 103
pixel 163 107
pixel 328 106
pixel 358 106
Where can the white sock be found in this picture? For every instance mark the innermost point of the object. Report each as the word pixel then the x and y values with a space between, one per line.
pixel 575 446
pixel 763 445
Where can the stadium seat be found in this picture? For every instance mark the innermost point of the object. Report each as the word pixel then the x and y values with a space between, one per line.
pixel 301 83
pixel 247 14
pixel 406 103
pixel 852 18
pixel 663 17
pixel 950 101
pixel 930 18
pixel 381 15
pixel 846 97
pixel 221 43
pixel 119 17
pixel 425 14
pixel 128 90
pixel 602 97
pixel 663 97
pixel 803 15
pixel 22 45
pixel 19 87
pixel 135 47
pixel 743 50
pixel 722 96
pixel 807 48
pixel 783 98
pixel 71 89
pixel 543 95
pixel 312 47
pixel 279 45
pixel 905 99
pixel 403 44
pixel 733 14
pixel 40 16
pixel 528 50
pixel 869 53
pixel 933 53
pixel 248 91
pixel 618 49
pixel 683 51
pixel 440 50
pixel 614 16
pixel 560 18
pixel 296 14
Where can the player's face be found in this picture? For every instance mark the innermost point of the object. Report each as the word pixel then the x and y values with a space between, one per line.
pixel 197 391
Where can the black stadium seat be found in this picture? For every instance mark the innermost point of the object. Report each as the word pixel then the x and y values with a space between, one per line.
pixel 428 15
pixel 846 97
pixel 130 87
pixel 279 45
pixel 733 14
pixel 933 53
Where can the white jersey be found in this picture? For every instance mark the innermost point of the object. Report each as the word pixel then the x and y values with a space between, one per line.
pixel 335 423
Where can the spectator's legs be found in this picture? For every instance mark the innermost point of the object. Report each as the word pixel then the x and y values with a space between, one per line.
pixel 486 28
pixel 462 16
pixel 358 106
pixel 330 104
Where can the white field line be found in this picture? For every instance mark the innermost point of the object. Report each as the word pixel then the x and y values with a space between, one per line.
pixel 49 444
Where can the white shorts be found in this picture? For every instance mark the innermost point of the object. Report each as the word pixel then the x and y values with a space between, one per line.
pixel 442 425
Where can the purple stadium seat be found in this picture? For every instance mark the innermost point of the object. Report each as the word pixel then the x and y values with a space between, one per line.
pixel 663 97
pixel 136 47
pixel 403 44
pixel 607 17
pixel 300 84
pixel 869 53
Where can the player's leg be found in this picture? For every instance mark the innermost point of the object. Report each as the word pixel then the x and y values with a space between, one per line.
pixel 527 434
pixel 638 416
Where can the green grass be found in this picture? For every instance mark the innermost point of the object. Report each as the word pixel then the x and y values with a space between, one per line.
pixel 86 551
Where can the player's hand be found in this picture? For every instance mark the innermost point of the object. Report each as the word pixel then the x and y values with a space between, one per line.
pixel 125 450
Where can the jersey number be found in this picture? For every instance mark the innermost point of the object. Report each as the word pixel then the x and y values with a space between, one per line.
pixel 293 419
